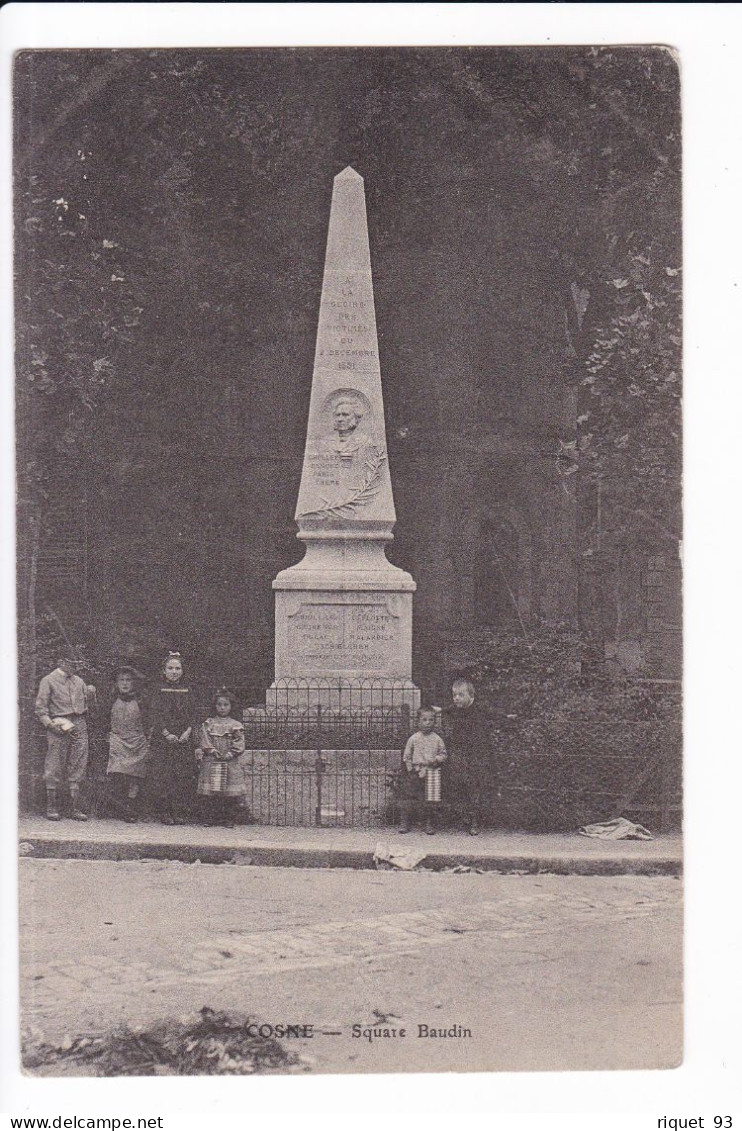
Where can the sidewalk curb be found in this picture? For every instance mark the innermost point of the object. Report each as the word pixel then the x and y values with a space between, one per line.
pixel 260 855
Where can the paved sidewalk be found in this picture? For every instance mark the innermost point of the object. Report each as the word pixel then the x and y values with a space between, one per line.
pixel 562 853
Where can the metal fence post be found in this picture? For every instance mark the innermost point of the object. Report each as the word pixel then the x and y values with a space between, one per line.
pixel 319 768
pixel 406 720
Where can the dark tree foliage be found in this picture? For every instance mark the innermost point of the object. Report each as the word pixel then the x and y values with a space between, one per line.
pixel 171 212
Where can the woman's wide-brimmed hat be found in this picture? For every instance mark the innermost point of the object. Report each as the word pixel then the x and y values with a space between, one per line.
pixel 125 668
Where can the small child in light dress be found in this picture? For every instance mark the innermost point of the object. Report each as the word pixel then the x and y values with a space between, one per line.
pixel 423 756
pixel 219 751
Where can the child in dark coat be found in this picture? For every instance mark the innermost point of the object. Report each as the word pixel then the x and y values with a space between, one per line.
pixel 470 772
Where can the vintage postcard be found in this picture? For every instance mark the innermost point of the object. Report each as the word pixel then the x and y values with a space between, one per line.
pixel 348 407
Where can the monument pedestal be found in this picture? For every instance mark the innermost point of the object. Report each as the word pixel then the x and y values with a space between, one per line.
pixel 343 628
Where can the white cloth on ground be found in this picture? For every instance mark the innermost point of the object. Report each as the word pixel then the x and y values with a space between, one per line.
pixel 618 829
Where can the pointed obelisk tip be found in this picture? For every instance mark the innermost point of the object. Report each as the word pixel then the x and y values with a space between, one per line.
pixel 349 174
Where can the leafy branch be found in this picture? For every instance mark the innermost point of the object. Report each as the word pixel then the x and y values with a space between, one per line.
pixel 362 496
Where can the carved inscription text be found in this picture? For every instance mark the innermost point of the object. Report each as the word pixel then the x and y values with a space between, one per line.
pixel 348 638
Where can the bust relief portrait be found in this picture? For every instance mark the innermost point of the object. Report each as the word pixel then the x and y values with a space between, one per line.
pixel 348 436
pixel 347 463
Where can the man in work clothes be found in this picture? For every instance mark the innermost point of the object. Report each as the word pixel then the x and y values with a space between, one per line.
pixel 61 708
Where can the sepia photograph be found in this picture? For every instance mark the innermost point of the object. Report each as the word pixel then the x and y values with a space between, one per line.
pixel 349 529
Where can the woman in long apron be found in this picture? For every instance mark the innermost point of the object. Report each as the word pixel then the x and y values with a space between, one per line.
pixel 128 743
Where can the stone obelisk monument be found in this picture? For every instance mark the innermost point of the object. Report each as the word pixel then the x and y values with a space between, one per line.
pixel 344 613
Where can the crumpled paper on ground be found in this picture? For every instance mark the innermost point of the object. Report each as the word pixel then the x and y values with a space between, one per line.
pixel 404 858
pixel 618 829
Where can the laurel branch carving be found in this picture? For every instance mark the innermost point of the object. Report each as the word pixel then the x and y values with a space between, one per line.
pixel 362 496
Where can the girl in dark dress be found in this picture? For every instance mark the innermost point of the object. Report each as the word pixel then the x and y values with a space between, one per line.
pixel 174 762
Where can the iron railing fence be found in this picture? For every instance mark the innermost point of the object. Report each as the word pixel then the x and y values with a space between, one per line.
pixel 327 752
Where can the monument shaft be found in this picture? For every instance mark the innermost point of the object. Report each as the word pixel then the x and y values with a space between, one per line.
pixel 345 483
pixel 344 613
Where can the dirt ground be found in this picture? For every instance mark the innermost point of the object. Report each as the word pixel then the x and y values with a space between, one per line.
pixel 520 972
